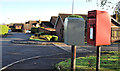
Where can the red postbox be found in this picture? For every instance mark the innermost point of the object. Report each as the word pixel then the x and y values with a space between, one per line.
pixel 98 28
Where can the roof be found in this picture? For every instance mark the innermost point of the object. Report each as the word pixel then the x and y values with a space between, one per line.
pixel 114 21
pixel 63 16
pixel 55 17
pixel 50 29
pixel 18 23
pixel 47 23
pixel 33 21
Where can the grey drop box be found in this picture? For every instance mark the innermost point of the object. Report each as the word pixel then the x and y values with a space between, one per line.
pixel 74 29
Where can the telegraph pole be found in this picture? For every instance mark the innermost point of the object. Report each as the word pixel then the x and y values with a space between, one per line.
pixel 72 6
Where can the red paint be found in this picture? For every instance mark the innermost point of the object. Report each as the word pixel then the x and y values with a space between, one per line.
pixel 101 23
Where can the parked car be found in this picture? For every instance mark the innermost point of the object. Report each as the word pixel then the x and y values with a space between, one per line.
pixel 28 32
pixel 9 30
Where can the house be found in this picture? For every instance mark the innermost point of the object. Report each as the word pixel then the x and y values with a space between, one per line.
pixel 47 27
pixel 59 25
pixel 10 25
pixel 53 19
pixel 115 28
pixel 31 23
pixel 18 25
pixel 35 25
pixel 47 24
pixel 50 31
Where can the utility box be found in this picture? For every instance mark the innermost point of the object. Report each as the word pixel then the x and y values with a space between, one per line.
pixel 74 31
pixel 98 28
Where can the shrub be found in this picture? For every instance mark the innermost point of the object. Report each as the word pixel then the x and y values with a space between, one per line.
pixel 34 30
pixel 48 37
pixel 3 29
pixel 54 38
pixel 75 16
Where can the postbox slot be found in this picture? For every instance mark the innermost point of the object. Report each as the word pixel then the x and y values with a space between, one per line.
pixel 92 21
pixel 92 14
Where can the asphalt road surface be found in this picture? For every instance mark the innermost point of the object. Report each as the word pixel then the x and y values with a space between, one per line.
pixel 50 54
pixel 13 52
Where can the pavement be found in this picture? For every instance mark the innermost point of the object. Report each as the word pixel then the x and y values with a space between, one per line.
pixel 61 45
pixel 44 57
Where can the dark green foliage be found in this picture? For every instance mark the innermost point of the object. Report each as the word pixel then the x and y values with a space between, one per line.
pixel 75 16
pixel 54 38
pixel 34 30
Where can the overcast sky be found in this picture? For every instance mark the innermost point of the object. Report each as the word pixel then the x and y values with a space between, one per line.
pixel 19 11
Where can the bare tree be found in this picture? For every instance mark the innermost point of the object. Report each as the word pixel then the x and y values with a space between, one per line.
pixel 109 5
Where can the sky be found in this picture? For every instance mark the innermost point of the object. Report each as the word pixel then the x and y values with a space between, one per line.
pixel 21 11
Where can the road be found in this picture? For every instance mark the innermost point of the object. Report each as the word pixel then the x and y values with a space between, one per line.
pixel 14 52
pixel 50 54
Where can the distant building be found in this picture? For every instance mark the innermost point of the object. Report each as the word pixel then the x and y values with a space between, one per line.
pixel 47 24
pixel 53 19
pixel 59 25
pixel 115 27
pixel 18 25
pixel 31 23
pixel 50 31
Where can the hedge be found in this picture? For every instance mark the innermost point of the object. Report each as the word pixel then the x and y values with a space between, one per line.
pixel 34 30
pixel 3 29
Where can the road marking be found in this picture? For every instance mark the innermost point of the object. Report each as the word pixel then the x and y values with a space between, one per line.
pixel 3 68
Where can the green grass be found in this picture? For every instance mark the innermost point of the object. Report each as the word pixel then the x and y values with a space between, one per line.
pixel 109 61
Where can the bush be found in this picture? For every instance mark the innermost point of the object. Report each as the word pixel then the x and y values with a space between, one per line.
pixel 34 30
pixel 51 37
pixel 54 38
pixel 75 16
pixel 3 29
pixel 48 37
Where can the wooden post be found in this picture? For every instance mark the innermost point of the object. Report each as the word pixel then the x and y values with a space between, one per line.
pixel 98 58
pixel 73 58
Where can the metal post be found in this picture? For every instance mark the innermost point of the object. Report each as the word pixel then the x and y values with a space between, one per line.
pixel 73 58
pixel 98 58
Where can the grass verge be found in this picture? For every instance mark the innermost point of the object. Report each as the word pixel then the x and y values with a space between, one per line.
pixel 109 62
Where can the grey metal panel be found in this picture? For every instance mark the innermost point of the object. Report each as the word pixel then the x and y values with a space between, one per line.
pixel 74 31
